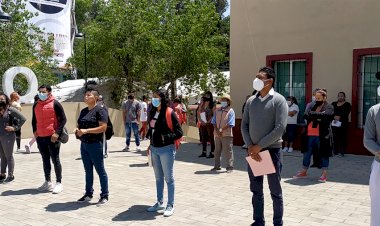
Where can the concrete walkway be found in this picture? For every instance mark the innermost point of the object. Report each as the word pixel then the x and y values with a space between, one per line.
pixel 202 197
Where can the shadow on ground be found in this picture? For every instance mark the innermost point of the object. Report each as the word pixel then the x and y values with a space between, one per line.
pixel 136 213
pixel 353 169
pixel 27 191
pixel 66 206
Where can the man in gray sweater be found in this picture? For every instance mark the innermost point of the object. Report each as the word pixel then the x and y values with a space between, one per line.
pixel 263 124
pixel 371 141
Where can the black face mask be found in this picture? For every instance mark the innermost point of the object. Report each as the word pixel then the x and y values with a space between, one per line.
pixel 130 97
pixel 318 102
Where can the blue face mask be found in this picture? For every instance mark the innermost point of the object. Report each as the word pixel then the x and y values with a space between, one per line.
pixel 42 96
pixel 156 102
pixel 224 104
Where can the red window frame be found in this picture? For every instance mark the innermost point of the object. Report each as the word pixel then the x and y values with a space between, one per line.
pixel 356 67
pixel 308 57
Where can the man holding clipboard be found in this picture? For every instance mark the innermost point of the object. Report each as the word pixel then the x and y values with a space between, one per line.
pixel 263 124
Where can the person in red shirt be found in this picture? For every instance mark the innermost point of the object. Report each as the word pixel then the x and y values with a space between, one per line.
pixel 48 121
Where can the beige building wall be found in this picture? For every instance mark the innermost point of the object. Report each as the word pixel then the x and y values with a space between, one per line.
pixel 330 29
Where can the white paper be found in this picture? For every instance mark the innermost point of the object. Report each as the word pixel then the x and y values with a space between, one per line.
pixel 264 167
pixel 203 117
pixel 336 123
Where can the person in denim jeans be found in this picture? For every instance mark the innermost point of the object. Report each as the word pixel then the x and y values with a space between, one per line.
pixel 319 134
pixel 131 118
pixel 162 150
pixel 92 123
pixel 263 124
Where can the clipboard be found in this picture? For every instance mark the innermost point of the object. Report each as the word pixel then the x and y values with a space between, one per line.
pixel 261 168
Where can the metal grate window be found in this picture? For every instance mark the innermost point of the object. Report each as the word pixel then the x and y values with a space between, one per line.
pixel 368 83
pixel 291 81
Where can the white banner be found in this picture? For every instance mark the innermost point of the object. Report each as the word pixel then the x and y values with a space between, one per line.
pixel 54 18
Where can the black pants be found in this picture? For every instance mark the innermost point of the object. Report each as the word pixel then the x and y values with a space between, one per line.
pixel 207 132
pixel 256 186
pixel 50 150
pixel 340 139
pixel 18 138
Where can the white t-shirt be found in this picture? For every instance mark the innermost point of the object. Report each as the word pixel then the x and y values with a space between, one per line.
pixel 144 113
pixel 293 119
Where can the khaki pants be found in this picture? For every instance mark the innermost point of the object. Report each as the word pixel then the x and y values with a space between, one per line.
pixel 224 145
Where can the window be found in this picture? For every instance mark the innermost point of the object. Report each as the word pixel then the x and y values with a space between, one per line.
pixel 366 63
pixel 293 77
pixel 367 85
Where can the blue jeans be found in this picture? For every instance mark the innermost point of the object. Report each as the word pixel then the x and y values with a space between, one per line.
pixel 256 186
pixel 313 143
pixel 92 156
pixel 129 126
pixel 163 162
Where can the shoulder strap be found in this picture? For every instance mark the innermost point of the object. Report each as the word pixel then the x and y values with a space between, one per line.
pixel 168 116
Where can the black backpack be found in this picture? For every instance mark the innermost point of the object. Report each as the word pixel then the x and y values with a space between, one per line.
pixel 109 132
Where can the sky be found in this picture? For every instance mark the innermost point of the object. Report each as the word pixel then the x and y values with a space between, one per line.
pixel 227 13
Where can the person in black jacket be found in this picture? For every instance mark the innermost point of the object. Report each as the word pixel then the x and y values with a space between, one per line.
pixel 319 134
pixel 162 149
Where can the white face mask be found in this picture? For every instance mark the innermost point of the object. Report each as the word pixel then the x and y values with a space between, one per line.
pixel 258 84
pixel 224 104
pixel 289 102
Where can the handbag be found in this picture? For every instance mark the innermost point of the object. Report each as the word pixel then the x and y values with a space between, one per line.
pixel 64 137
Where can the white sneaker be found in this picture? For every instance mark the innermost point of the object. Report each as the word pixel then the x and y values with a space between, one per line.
pixel 156 207
pixel 169 211
pixel 285 149
pixel 290 150
pixel 58 188
pixel 20 150
pixel 138 148
pixel 46 186
pixel 27 149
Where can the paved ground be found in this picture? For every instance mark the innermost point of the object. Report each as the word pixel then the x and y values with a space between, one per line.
pixel 202 197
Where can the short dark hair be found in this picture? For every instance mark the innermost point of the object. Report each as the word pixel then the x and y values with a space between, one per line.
pixel 92 90
pixel 6 98
pixel 344 94
pixel 47 87
pixel 144 97
pixel 270 73
pixel 293 98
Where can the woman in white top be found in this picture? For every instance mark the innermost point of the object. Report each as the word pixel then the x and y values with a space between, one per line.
pixel 14 98
pixel 144 117
pixel 291 127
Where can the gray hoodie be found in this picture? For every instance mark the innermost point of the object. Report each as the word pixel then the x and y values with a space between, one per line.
pixel 371 139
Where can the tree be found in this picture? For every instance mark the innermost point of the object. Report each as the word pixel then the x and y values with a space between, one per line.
pixel 24 44
pixel 193 47
pixel 145 44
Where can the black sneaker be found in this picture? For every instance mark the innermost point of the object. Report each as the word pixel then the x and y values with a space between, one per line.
pixel 85 198
pixel 102 201
pixel 202 155
pixel 2 178
pixel 210 156
pixel 216 168
pixel 9 179
pixel 230 169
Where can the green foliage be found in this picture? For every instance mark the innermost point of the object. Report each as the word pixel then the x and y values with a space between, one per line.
pixel 23 44
pixel 145 44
